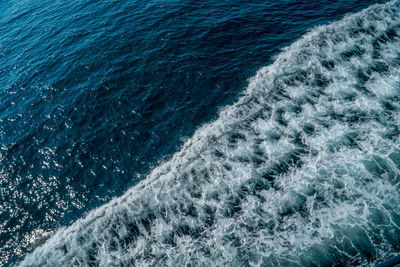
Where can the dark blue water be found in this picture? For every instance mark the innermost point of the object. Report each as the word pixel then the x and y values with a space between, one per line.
pixel 95 94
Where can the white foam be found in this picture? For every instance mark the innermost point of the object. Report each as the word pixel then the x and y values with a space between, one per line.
pixel 302 170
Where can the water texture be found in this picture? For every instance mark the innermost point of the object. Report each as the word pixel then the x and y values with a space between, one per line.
pixel 302 168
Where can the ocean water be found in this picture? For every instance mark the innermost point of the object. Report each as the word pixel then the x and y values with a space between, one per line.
pixel 199 133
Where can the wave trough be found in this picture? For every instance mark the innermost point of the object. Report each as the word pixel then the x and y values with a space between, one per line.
pixel 303 170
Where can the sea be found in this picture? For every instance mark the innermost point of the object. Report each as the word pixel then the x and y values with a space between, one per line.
pixel 199 133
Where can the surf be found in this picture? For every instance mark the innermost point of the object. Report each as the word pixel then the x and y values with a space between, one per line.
pixel 303 170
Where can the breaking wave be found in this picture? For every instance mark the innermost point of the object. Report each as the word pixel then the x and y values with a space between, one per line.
pixel 303 170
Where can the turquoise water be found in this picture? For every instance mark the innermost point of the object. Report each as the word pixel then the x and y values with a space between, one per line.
pixel 199 133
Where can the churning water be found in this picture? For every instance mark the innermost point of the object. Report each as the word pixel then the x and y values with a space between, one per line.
pixel 303 169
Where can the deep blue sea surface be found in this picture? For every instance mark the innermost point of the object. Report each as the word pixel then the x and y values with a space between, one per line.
pixel 178 132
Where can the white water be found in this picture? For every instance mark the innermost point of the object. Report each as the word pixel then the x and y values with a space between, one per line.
pixel 303 169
